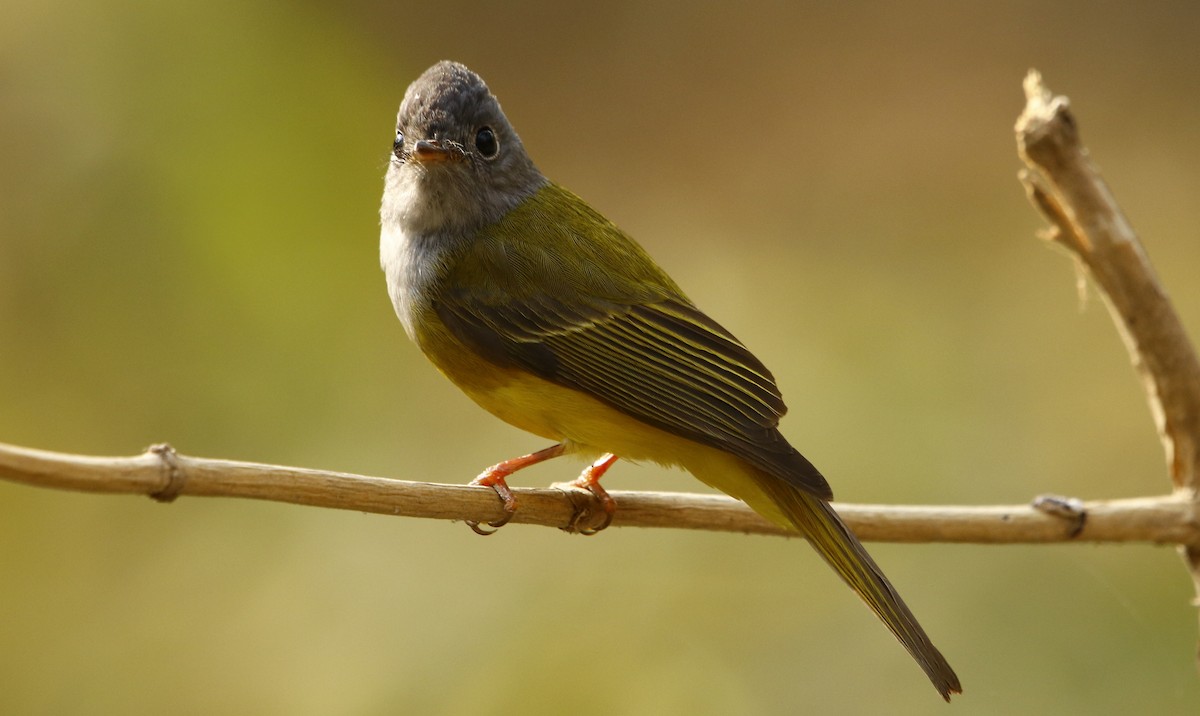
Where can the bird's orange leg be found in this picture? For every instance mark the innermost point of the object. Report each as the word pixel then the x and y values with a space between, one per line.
pixel 589 480
pixel 493 477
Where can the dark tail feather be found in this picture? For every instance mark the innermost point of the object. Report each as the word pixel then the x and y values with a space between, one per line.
pixel 842 550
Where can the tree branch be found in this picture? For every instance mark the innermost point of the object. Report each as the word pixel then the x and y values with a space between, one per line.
pixel 162 473
pixel 1066 187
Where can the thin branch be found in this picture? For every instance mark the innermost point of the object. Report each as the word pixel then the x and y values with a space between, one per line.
pixel 1067 188
pixel 162 473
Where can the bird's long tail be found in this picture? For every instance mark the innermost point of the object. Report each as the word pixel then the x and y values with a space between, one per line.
pixel 834 541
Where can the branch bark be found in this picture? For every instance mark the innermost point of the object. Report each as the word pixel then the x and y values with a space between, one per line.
pixel 162 473
pixel 1067 188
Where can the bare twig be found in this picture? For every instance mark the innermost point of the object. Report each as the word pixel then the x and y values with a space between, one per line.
pixel 1066 187
pixel 1165 519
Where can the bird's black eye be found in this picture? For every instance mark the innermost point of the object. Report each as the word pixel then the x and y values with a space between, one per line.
pixel 398 145
pixel 486 143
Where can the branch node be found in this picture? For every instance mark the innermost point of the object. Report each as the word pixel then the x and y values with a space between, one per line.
pixel 1067 508
pixel 176 477
pixel 1063 229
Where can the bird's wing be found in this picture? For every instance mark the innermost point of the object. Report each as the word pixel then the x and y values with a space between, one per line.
pixel 664 363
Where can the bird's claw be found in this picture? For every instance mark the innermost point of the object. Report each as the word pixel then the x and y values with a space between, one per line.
pixel 493 477
pixel 590 481
pixel 509 501
pixel 496 525
pixel 583 508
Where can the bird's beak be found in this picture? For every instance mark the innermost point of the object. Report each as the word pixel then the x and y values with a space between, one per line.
pixel 435 151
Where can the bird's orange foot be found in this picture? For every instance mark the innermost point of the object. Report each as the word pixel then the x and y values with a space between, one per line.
pixel 590 480
pixel 494 477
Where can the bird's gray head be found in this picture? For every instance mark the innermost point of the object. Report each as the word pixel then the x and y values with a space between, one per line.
pixel 457 164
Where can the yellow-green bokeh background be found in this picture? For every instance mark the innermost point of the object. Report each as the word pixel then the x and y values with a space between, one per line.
pixel 188 252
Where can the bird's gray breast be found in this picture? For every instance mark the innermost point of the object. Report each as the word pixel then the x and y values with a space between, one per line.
pixel 413 264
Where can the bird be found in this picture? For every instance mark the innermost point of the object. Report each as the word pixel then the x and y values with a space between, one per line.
pixel 553 319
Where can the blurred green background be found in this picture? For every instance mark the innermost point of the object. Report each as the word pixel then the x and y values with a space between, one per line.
pixel 188 252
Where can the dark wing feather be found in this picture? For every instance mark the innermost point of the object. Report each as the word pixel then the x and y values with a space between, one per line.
pixel 664 363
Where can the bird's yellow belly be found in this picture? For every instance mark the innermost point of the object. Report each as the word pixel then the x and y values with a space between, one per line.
pixel 553 411
pixel 589 426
